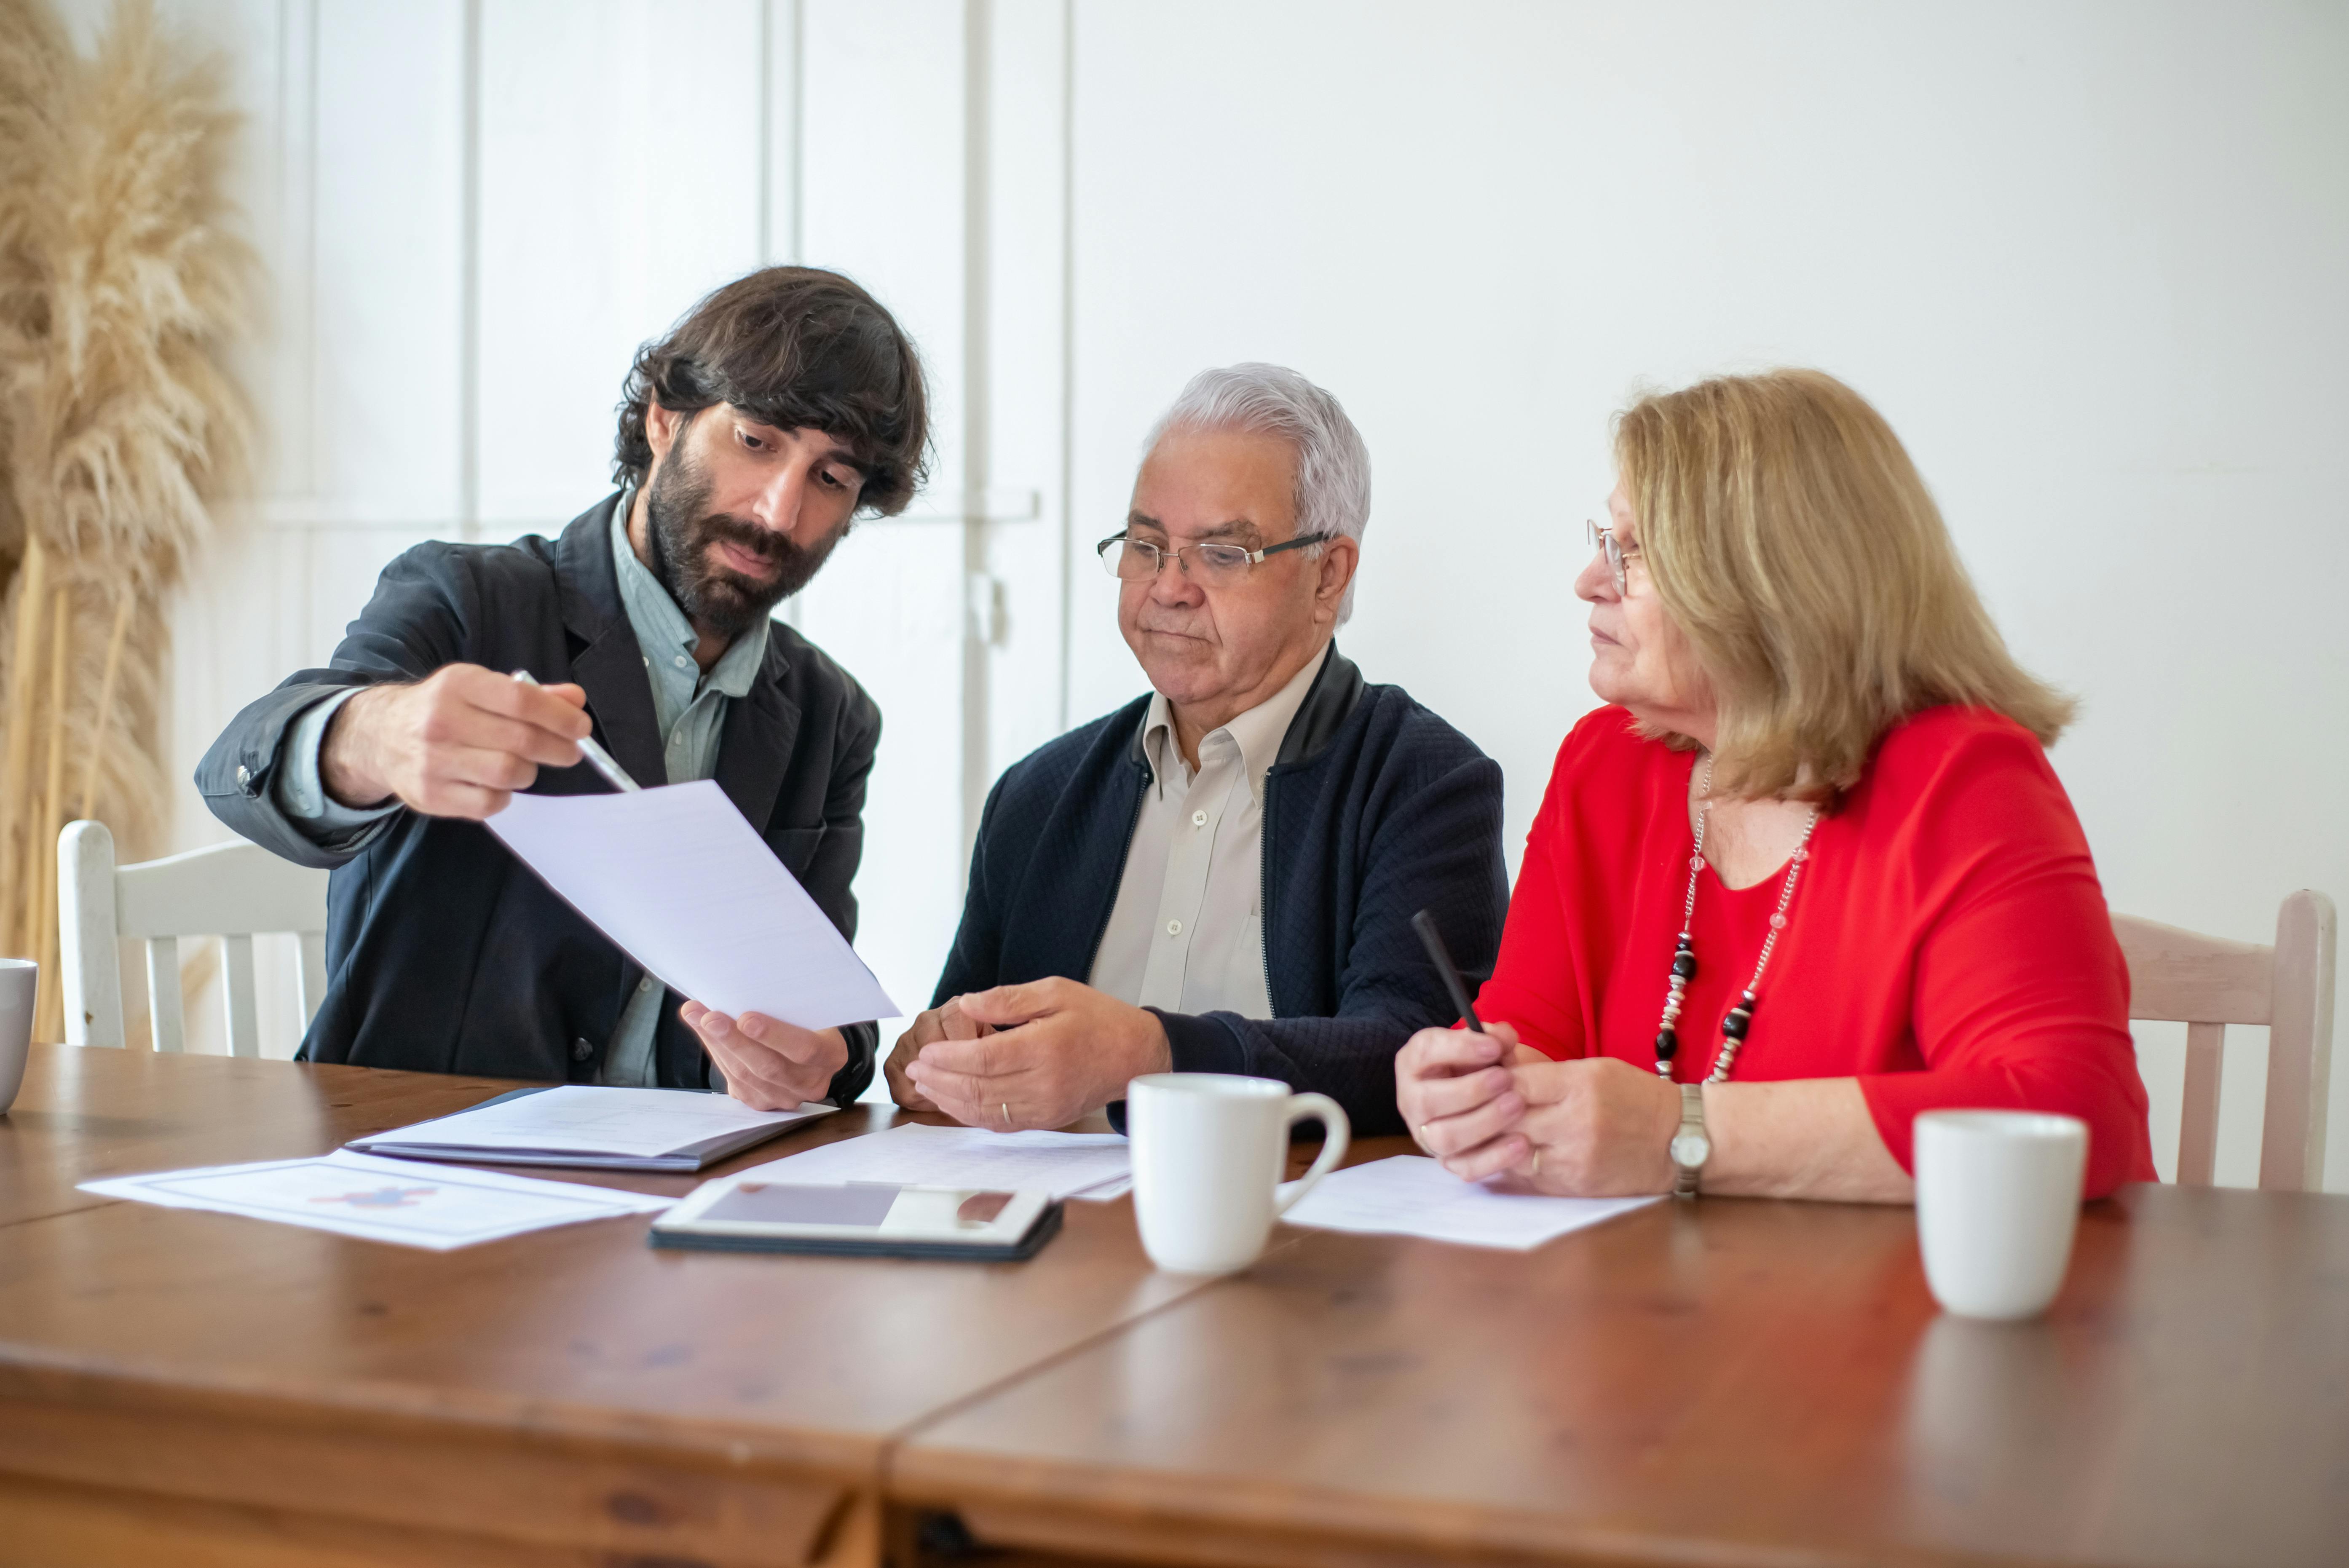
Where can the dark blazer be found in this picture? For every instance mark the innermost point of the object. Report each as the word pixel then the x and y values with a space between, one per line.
pixel 444 953
pixel 1373 810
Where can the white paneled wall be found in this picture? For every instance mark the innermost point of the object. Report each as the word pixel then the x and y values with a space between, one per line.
pixel 2086 257
pixel 472 212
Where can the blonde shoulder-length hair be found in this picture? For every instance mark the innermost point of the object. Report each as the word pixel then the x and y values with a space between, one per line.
pixel 1794 543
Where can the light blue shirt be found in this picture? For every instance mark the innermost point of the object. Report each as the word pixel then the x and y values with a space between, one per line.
pixel 688 704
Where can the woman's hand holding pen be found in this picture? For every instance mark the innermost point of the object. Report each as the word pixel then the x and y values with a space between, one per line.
pixel 1487 1106
pixel 1461 1100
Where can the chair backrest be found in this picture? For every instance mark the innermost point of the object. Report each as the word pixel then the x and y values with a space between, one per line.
pixel 229 890
pixel 2208 983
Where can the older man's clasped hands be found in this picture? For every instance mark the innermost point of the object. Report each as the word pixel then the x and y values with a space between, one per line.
pixel 1042 1054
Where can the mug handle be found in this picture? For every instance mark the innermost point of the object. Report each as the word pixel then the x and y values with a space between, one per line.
pixel 1337 1133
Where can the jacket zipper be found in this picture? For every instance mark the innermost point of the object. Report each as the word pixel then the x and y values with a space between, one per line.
pixel 1264 895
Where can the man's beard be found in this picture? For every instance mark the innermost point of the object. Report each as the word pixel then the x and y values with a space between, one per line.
pixel 715 596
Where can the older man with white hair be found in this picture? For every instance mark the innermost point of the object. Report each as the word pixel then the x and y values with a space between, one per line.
pixel 1220 877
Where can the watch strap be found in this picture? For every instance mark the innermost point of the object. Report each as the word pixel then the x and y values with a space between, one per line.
pixel 1685 1177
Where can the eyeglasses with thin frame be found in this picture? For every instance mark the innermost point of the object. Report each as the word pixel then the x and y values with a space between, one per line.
pixel 1136 560
pixel 1603 540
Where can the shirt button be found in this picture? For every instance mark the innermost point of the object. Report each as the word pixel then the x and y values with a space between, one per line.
pixel 243 775
pixel 1198 818
pixel 1173 928
pixel 683 663
pixel 581 1051
pixel 645 983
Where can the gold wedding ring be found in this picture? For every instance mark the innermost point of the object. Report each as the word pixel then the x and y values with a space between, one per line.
pixel 1007 1113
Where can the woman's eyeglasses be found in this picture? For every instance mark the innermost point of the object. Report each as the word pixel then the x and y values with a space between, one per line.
pixel 1603 540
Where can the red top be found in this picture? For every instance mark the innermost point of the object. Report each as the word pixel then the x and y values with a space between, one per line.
pixel 1948 944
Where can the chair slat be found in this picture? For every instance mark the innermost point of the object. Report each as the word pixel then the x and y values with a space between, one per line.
pixel 237 884
pixel 2198 1132
pixel 163 993
pixel 314 974
pixel 2181 975
pixel 244 1015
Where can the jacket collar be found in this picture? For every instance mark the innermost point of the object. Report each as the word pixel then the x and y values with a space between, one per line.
pixel 1330 701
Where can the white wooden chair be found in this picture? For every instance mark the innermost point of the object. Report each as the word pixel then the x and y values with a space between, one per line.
pixel 2208 983
pixel 229 890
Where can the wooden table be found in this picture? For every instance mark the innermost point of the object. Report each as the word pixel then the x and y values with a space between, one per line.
pixel 1726 1383
pixel 1715 1383
pixel 180 1388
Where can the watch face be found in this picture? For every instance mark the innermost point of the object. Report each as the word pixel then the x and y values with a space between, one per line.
pixel 1690 1148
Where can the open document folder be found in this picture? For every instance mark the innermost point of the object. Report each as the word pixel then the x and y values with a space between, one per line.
pixel 595 1127
pixel 683 884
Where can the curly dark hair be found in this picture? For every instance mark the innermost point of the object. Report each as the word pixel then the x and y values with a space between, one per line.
pixel 797 348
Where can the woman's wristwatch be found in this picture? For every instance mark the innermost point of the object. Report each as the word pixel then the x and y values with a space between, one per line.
pixel 1690 1148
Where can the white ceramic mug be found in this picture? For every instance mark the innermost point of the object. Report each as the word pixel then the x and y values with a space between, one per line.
pixel 20 980
pixel 1998 1198
pixel 1208 1151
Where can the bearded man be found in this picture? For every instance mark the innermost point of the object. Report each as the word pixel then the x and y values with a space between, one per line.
pixel 787 403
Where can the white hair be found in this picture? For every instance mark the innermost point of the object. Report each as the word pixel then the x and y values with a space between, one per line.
pixel 1333 466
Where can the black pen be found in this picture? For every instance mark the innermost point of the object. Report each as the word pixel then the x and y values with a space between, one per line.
pixel 1441 956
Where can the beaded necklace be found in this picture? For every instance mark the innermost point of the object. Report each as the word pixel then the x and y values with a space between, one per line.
pixel 1739 1018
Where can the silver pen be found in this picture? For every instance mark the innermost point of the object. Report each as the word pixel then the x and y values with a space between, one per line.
pixel 597 758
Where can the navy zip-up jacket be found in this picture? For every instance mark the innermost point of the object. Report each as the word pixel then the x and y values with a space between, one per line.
pixel 1374 810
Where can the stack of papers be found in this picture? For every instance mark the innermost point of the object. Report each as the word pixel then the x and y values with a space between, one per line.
pixel 380 1199
pixel 599 1129
pixel 683 885
pixel 1093 1165
pixel 1412 1195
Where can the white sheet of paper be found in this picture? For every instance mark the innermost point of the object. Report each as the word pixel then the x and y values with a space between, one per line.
pixel 688 889
pixel 581 1119
pixel 1065 1164
pixel 396 1200
pixel 1412 1195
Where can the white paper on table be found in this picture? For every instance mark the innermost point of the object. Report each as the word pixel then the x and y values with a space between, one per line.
pixel 584 1118
pixel 1093 1165
pixel 683 884
pixel 1412 1195
pixel 378 1200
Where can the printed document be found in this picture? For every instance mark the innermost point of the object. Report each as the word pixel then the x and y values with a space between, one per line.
pixel 1412 1195
pixel 685 887
pixel 381 1200
pixel 1092 1165
pixel 582 1124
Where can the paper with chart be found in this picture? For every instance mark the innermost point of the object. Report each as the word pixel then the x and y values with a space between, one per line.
pixel 1093 1165
pixel 381 1200
pixel 655 1129
pixel 1412 1195
pixel 681 882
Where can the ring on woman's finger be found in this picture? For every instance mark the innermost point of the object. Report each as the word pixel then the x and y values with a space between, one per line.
pixel 1534 1169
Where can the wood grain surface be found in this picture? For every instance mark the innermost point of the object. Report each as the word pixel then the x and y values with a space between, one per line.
pixel 1722 1382
pixel 570 1390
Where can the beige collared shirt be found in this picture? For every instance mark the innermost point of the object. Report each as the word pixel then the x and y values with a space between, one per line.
pixel 1186 933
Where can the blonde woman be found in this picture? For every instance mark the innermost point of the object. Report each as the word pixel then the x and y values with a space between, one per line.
pixel 1808 873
